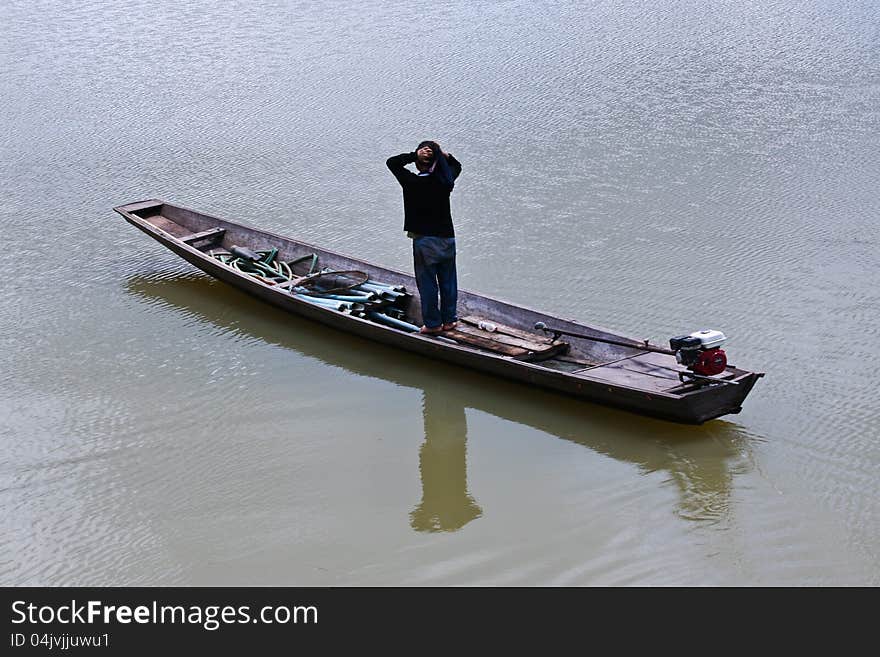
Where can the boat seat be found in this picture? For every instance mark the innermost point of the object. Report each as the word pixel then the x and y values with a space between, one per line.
pixel 212 234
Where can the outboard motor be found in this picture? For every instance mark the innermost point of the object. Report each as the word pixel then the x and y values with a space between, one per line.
pixel 700 352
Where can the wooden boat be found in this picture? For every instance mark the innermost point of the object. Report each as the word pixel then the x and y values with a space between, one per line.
pixel 493 336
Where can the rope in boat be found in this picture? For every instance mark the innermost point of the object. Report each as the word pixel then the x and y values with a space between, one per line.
pixel 350 291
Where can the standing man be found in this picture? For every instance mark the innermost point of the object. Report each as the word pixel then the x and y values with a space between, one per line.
pixel 428 221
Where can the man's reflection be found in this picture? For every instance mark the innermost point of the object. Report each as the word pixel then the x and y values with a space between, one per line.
pixel 446 504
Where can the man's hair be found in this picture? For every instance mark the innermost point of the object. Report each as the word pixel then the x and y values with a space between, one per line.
pixel 433 144
pixel 438 165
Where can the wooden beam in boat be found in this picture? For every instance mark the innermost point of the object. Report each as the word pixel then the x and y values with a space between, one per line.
pixel 547 352
pixel 212 233
pixel 577 361
pixel 484 343
pixel 494 342
pixel 508 330
pixel 503 338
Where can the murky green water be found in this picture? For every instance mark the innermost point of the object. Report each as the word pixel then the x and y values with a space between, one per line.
pixel 654 168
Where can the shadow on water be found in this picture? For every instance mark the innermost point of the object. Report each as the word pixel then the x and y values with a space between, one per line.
pixel 700 461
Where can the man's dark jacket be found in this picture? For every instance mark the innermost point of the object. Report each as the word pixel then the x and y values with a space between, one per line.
pixel 425 198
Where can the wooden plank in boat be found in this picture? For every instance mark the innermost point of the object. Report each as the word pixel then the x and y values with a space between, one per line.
pixel 168 226
pixel 484 343
pixel 493 342
pixel 650 372
pixel 547 352
pixel 213 233
pixel 578 361
pixel 503 338
pixel 509 330
pixel 536 347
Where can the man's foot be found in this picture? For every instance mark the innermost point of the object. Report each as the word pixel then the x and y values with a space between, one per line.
pixel 449 326
pixel 425 330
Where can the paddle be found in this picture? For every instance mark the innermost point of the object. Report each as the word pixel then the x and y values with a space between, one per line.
pixel 541 326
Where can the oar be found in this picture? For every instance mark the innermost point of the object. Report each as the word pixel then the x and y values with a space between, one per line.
pixel 541 326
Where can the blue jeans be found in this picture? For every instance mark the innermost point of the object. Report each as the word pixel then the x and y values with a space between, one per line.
pixel 434 264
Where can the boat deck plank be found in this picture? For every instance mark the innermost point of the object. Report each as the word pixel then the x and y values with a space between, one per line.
pixel 657 372
pixel 487 343
pixel 497 336
pixel 505 340
pixel 170 227
pixel 536 338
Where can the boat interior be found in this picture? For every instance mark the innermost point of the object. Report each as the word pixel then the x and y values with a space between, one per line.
pixel 485 325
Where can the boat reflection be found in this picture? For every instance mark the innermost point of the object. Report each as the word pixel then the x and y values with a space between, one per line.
pixel 699 461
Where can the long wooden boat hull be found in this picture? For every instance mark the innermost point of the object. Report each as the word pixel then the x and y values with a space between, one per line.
pixel 626 377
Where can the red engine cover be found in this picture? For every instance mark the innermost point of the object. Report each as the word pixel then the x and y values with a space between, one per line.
pixel 709 362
